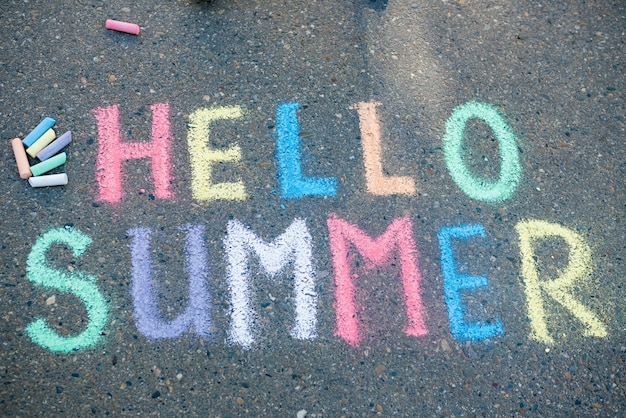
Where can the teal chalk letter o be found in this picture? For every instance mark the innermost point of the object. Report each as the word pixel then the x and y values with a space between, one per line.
pixel 510 168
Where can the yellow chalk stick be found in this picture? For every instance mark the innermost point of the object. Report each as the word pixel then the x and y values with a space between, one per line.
pixel 203 157
pixel 559 289
pixel 41 143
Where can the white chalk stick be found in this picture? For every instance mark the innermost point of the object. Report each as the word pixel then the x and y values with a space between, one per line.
pixel 49 180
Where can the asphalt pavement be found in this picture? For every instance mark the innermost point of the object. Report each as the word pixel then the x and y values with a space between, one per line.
pixel 398 208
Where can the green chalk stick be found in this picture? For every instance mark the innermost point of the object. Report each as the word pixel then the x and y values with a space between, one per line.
pixel 45 166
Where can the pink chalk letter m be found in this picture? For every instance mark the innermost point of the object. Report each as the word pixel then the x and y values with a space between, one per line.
pixel 397 238
pixel 112 152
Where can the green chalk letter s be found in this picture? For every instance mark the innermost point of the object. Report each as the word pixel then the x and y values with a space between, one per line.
pixel 80 285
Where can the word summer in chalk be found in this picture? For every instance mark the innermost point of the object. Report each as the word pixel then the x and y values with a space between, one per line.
pixel 291 252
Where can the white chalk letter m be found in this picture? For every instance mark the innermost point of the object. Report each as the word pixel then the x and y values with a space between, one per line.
pixel 292 247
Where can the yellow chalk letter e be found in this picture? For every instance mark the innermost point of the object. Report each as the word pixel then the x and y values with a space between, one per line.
pixel 202 157
pixel 559 289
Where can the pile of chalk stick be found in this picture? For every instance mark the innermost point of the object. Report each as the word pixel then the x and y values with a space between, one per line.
pixel 42 144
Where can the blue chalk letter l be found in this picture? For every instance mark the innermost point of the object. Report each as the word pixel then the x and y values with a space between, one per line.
pixel 293 184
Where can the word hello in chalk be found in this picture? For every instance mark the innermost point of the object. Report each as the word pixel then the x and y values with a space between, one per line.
pixel 113 151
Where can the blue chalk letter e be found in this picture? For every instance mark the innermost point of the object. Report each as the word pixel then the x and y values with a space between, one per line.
pixel 454 283
pixel 293 184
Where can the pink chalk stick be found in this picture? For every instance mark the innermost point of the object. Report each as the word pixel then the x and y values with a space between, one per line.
pixel 131 28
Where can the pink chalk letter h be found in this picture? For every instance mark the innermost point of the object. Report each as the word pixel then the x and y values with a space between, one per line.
pixel 112 152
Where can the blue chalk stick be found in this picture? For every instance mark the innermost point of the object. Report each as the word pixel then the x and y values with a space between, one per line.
pixel 55 146
pixel 36 133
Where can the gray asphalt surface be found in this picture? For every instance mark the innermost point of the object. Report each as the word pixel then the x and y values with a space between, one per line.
pixel 553 70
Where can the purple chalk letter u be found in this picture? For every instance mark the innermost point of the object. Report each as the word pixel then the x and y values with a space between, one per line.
pixel 144 292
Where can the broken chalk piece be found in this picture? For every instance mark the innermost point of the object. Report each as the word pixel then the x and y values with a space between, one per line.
pixel 55 147
pixel 36 133
pixel 126 27
pixel 49 180
pixel 41 143
pixel 20 158
pixel 45 166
